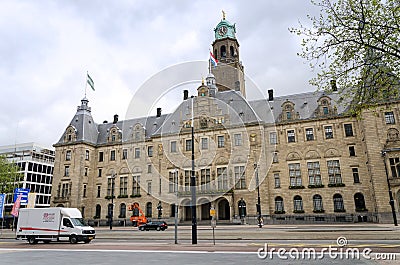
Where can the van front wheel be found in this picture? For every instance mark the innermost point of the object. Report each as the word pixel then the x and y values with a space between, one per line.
pixel 73 239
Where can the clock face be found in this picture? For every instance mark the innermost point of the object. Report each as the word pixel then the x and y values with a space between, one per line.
pixel 222 31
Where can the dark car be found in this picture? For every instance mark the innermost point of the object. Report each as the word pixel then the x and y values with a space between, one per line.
pixel 155 225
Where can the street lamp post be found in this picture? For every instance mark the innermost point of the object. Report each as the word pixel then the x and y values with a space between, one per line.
pixel 391 200
pixel 193 188
pixel 111 208
pixel 258 206
pixel 176 205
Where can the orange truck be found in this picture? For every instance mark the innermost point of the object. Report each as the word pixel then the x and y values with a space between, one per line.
pixel 137 216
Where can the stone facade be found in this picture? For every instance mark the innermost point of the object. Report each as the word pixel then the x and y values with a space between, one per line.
pixel 303 155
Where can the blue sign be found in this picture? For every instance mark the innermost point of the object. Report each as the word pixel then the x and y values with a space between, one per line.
pixel 24 195
pixel 2 200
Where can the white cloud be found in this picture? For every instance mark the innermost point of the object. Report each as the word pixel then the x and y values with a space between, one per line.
pixel 47 47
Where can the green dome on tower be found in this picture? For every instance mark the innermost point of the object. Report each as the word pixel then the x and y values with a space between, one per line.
pixel 225 29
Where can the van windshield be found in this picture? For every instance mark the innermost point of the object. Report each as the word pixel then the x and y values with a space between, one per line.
pixel 79 222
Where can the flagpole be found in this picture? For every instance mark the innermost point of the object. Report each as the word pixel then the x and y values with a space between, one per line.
pixel 87 73
pixel 209 63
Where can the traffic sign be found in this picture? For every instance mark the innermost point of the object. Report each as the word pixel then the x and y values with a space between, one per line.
pixel 212 212
pixel 24 195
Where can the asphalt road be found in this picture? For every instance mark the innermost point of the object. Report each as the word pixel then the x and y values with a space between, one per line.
pixel 67 257
pixel 233 245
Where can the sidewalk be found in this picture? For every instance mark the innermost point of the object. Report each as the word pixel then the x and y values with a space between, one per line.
pixel 236 233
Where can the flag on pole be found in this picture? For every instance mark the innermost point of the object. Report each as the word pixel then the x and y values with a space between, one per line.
pixel 2 200
pixel 213 60
pixel 16 206
pixel 90 81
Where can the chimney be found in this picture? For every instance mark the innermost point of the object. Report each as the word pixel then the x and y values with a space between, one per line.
pixel 333 85
pixel 158 112
pixel 270 94
pixel 185 94
pixel 115 118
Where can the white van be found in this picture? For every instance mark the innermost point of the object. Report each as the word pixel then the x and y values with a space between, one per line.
pixel 53 224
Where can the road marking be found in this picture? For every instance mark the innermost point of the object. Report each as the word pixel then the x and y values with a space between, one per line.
pixel 129 251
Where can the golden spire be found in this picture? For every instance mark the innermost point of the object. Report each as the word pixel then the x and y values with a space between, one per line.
pixel 202 80
pixel 223 14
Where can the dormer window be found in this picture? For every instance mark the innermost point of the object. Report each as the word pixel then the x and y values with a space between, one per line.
pixel 288 112
pixel 114 134
pixel 70 134
pixel 324 107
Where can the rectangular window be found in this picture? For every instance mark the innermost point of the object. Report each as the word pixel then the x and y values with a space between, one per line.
pixel 100 171
pixel 240 177
pixel 395 166
pixel 101 156
pixel 173 179
pixel 64 190
pixel 173 146
pixel 356 176
pixel 352 151
pixel 205 179
pixel 325 110
pixel 334 174
pixel 291 136
pixel 149 168
pixel 288 115
pixel 110 186
pixel 87 155
pixel 314 174
pixel 86 171
pixel 112 155
pixel 149 187
pixel 277 180
pixel 221 141
pixel 188 145
pixel 295 175
pixel 328 132
pixel 136 185
pixel 310 134
pixel 123 185
pixel 222 178
pixel 273 139
pixel 98 191
pixel 238 139
pixel 150 151
pixel 348 130
pixel 68 155
pixel 124 154
pixel 187 179
pixel 137 152
pixel 66 171
pixel 204 143
pixel 84 190
pixel 389 117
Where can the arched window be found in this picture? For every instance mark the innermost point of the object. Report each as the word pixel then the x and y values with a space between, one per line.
pixel 317 203
pixel 338 205
pixel 122 210
pixel 149 209
pixel 359 202
pixel 279 208
pixel 232 51
pixel 223 51
pixel 98 211
pixel 298 204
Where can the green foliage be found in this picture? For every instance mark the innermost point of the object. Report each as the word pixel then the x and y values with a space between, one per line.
pixel 356 43
pixel 9 176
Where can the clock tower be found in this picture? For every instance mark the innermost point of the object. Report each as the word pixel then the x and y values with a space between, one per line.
pixel 229 71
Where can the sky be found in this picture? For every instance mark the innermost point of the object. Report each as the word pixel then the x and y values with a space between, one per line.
pixel 47 48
